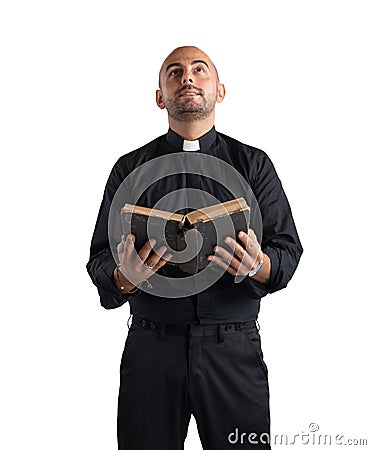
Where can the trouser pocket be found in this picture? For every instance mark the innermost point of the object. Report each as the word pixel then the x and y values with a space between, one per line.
pixel 253 339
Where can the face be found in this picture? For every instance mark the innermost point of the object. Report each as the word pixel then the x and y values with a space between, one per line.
pixel 189 86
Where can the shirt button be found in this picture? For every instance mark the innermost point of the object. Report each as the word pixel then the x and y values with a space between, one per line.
pixel 228 327
pixel 153 326
pixel 144 323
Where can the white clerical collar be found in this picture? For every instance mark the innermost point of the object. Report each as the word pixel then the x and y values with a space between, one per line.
pixel 191 146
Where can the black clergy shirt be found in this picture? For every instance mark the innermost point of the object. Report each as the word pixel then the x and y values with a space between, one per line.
pixel 225 300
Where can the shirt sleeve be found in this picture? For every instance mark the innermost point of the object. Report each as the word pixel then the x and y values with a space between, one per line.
pixel 280 240
pixel 101 264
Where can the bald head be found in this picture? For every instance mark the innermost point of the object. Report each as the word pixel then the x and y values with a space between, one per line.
pixel 189 88
pixel 191 53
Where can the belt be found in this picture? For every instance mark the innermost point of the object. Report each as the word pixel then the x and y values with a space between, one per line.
pixel 191 329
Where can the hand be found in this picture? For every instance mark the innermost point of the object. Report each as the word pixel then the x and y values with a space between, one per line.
pixel 242 258
pixel 137 267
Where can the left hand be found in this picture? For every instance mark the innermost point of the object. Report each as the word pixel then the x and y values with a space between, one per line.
pixel 241 259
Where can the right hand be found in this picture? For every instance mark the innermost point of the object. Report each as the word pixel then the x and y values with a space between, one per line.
pixel 132 264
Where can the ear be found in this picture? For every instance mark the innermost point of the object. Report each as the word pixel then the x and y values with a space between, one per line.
pixel 221 93
pixel 159 101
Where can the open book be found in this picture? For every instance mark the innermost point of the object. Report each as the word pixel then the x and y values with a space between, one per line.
pixel 190 236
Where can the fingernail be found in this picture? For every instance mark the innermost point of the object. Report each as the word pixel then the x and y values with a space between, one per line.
pixel 227 239
pixel 168 256
pixel 152 241
pixel 241 234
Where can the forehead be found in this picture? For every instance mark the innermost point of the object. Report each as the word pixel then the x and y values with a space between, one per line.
pixel 185 56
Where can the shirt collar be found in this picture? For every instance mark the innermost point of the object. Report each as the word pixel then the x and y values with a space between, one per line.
pixel 203 143
pixel 191 146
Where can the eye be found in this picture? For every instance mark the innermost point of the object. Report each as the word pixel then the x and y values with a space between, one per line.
pixel 174 72
pixel 199 69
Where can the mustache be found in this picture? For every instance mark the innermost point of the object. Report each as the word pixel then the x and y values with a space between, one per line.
pixel 187 87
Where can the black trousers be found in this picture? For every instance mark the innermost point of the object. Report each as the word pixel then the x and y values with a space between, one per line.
pixel 215 372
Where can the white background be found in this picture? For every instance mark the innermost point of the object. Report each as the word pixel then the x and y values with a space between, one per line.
pixel 77 91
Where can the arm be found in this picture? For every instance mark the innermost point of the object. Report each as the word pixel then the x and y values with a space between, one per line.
pixel 280 241
pixel 102 265
pixel 280 250
pixel 116 285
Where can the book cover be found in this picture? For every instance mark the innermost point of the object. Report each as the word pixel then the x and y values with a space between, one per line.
pixel 190 236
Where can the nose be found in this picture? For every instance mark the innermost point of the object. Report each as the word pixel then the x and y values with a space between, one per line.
pixel 187 77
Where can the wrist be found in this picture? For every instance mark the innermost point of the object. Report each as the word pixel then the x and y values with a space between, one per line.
pixel 262 275
pixel 124 285
pixel 257 265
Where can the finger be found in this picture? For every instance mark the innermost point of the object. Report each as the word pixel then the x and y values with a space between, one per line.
pixel 129 250
pixel 243 237
pixel 120 247
pixel 252 247
pixel 162 262
pixel 221 263
pixel 237 249
pixel 227 257
pixel 248 238
pixel 145 251
pixel 155 258
pixel 252 234
pixel 242 261
pixel 236 268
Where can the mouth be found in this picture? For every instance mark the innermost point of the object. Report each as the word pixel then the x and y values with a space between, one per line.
pixel 189 93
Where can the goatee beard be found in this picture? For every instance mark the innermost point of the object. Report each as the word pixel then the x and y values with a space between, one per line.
pixel 187 110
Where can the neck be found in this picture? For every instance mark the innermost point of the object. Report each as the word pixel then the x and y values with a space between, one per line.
pixel 192 130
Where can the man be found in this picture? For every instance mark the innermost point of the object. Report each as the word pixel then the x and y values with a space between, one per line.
pixel 197 352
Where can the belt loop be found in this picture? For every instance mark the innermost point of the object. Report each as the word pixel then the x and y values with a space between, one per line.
pixel 161 331
pixel 220 334
pixel 257 324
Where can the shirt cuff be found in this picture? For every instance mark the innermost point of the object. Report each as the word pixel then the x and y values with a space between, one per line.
pixel 275 257
pixel 253 288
